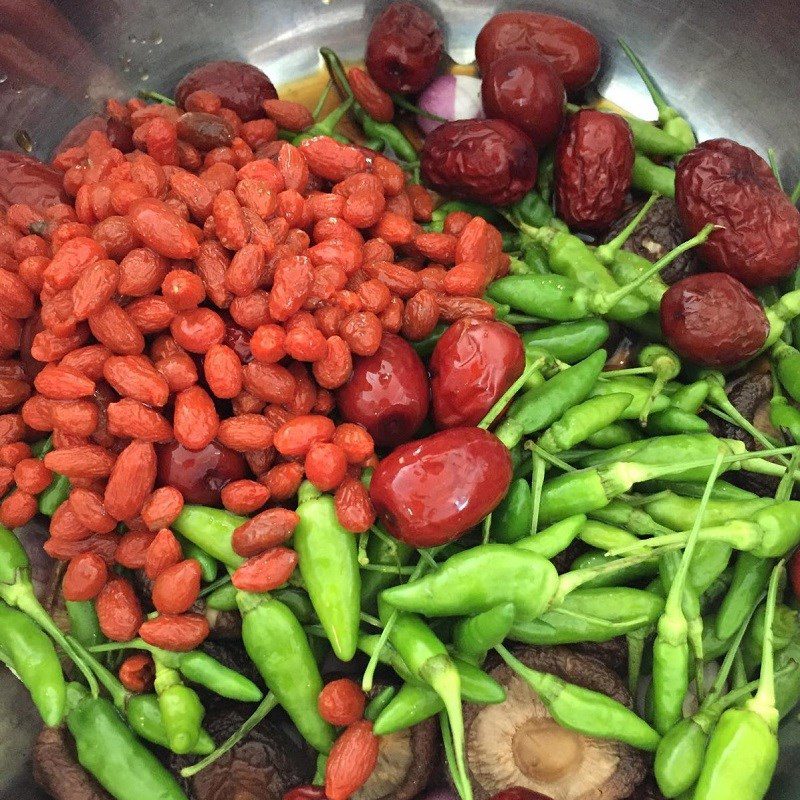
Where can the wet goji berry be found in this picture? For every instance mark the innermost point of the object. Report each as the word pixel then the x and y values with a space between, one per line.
pixel 178 633
pixel 244 496
pixel 88 507
pixel 195 419
pixel 86 575
pixel 341 702
pixel 137 673
pixel 351 761
pixel 325 465
pixel 176 588
pixel 118 610
pixel 131 480
pixel 132 550
pixel 353 507
pixel 283 480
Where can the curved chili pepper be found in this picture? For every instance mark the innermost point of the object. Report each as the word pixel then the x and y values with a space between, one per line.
pixel 181 709
pixel 750 578
pixel 595 559
pixel 555 539
pixel 581 421
pixel 327 125
pixel 679 513
pixel 543 405
pixel 328 560
pixel 474 637
pixel 583 710
pixel 591 615
pixel 670 118
pixel 429 661
pixel 602 536
pixel 33 658
pixel 211 530
pixel 623 515
pixel 786 360
pixel 570 342
pixel 746 736
pixel 108 750
pixel 511 519
pixel 223 598
pixel 647 176
pixel 640 389
pixel 278 646
pixel 615 434
pixel 208 564
pixel 673 420
pixel 83 623
pixel 384 551
pixel 54 495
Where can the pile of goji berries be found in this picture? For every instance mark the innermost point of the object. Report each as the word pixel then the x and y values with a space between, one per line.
pixel 212 285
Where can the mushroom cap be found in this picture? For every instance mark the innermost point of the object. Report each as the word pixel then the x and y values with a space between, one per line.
pixel 518 743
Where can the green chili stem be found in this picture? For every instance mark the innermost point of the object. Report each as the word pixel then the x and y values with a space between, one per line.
pixel 795 196
pixel 388 569
pixel 379 702
pixel 264 707
pixel 319 774
pixel 786 485
pixel 522 319
pixel 621 373
pixel 549 457
pixel 449 755
pixel 773 165
pixel 486 529
pixel 665 111
pixel 537 482
pixel 363 541
pixel 223 581
pixel 147 94
pixel 321 102
pixel 401 101
pixel 608 251
pixel 497 409
pixel 119 695
pixel 370 620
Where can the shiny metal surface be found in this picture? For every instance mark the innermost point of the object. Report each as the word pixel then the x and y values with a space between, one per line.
pixel 731 65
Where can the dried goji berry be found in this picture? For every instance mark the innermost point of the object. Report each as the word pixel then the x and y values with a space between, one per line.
pixel 245 271
pixel 83 461
pixel 244 496
pixel 400 280
pixel 468 278
pixel 305 343
pixel 69 261
pixel 176 588
pixel 17 509
pixel 333 371
pixel 14 452
pixel 353 507
pixel 118 610
pixel 178 633
pixel 288 115
pixel 137 673
pixel 88 508
pixel 290 288
pixel 162 229
pixel 454 308
pixel 420 315
pixel 283 480
pixel 163 551
pixel 267 571
pixel 132 550
pixel 131 480
pixel 351 761
pixel 178 370
pixel 94 288
pixel 362 331
pixel 136 377
pixel 269 382
pixel 295 437
pixel 77 417
pixel 195 420
pixel 113 327
pixel 162 508
pixel 325 465
pixel 332 161
pixel 32 476
pixel 183 290
pixel 341 702
pixel 229 222
pixel 355 440
pixel 246 432
pixel 131 419
pixel 377 103
pixel 87 360
pixel 86 575
pixel 223 371
pixel 198 329
pixel 63 383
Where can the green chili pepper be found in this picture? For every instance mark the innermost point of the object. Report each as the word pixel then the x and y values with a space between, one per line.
pixel 671 647
pixel 429 661
pixel 649 138
pixel 641 390
pixel 54 495
pixel 479 579
pixel 750 578
pixel 546 176
pixel 591 615
pixel 488 213
pixel 17 590
pixel 33 658
pixel 181 709
pixel 325 126
pixel 555 539
pixel 673 420
pixel 743 751
pixel 109 751
pixel 223 598
pixel 328 560
pixel 628 267
pixel 278 646
pixel 511 519
pixel 208 564
pixel 722 489
pixel 608 251
pixel 621 514
pixel 613 435
pixel 665 365
pixel 378 703
pixel 474 637
pixel 83 623
pixel 570 342
pixel 385 551
pixel 602 536
pixel 298 602
pixel 680 754
pixel 787 678
pixel 648 177
pixel 543 405
pixel 710 560
pixel 785 628
pixel 771 533
pixel 583 710
pixel 670 118
pixel 632 574
pixel 211 530
pixel 41 448
pixel 385 132
pixel 787 367
pixel 679 513
pixel 583 420
pixel 785 416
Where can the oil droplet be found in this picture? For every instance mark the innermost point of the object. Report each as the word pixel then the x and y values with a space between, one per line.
pixel 157 38
pixel 3 78
pixel 23 139
pixel 145 76
pixel 132 38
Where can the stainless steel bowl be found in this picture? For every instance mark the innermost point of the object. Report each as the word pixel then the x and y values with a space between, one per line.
pixel 731 65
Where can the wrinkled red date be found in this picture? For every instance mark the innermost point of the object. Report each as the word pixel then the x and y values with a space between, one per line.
pixel 404 48
pixel 593 166
pixel 25 180
pixel 241 87
pixel 489 160
pixel 573 51
pixel 725 183
pixel 713 319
